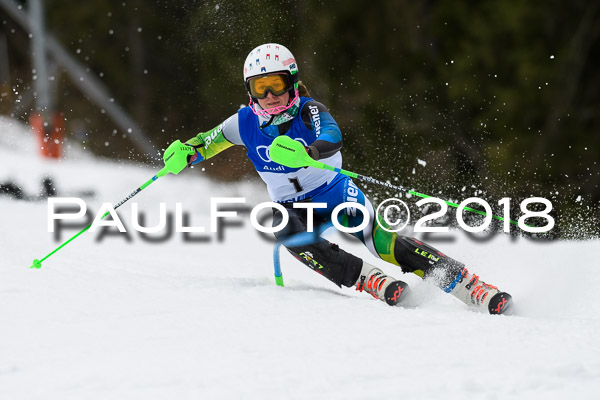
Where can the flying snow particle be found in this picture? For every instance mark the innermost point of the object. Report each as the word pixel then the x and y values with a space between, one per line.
pixel 421 162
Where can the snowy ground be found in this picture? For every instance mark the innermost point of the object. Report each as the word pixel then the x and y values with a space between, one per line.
pixel 178 320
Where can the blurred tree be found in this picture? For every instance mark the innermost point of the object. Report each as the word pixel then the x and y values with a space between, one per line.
pixel 488 98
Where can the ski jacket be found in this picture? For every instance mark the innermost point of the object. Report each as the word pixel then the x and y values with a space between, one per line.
pixel 314 127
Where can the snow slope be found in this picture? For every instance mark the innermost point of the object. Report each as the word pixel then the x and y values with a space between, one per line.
pixel 204 320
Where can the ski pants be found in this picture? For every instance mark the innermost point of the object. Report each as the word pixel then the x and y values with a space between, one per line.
pixel 343 268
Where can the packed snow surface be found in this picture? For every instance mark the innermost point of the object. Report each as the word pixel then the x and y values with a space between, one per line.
pixel 130 319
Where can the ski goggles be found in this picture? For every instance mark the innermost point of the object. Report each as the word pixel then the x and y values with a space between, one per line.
pixel 277 84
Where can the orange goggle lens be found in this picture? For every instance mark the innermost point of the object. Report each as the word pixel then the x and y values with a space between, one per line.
pixel 276 84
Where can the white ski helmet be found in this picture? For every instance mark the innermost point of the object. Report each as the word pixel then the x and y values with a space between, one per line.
pixel 271 58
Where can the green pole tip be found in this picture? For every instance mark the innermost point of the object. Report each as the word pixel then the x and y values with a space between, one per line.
pixel 36 264
pixel 279 280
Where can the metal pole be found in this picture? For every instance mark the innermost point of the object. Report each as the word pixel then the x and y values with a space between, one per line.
pixel 4 65
pixel 87 82
pixel 5 84
pixel 38 50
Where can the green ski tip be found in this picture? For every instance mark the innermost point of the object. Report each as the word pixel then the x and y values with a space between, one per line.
pixel 36 264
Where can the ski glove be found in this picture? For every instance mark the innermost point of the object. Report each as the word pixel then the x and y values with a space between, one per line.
pixel 178 156
pixel 289 152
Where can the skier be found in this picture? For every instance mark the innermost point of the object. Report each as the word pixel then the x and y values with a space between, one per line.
pixel 280 105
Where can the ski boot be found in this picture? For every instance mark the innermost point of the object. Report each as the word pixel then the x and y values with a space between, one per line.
pixel 373 281
pixel 469 289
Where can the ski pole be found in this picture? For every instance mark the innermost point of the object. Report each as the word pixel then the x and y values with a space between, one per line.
pixel 175 158
pixel 291 153
pixel 38 263
pixel 299 239
pixel 403 189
